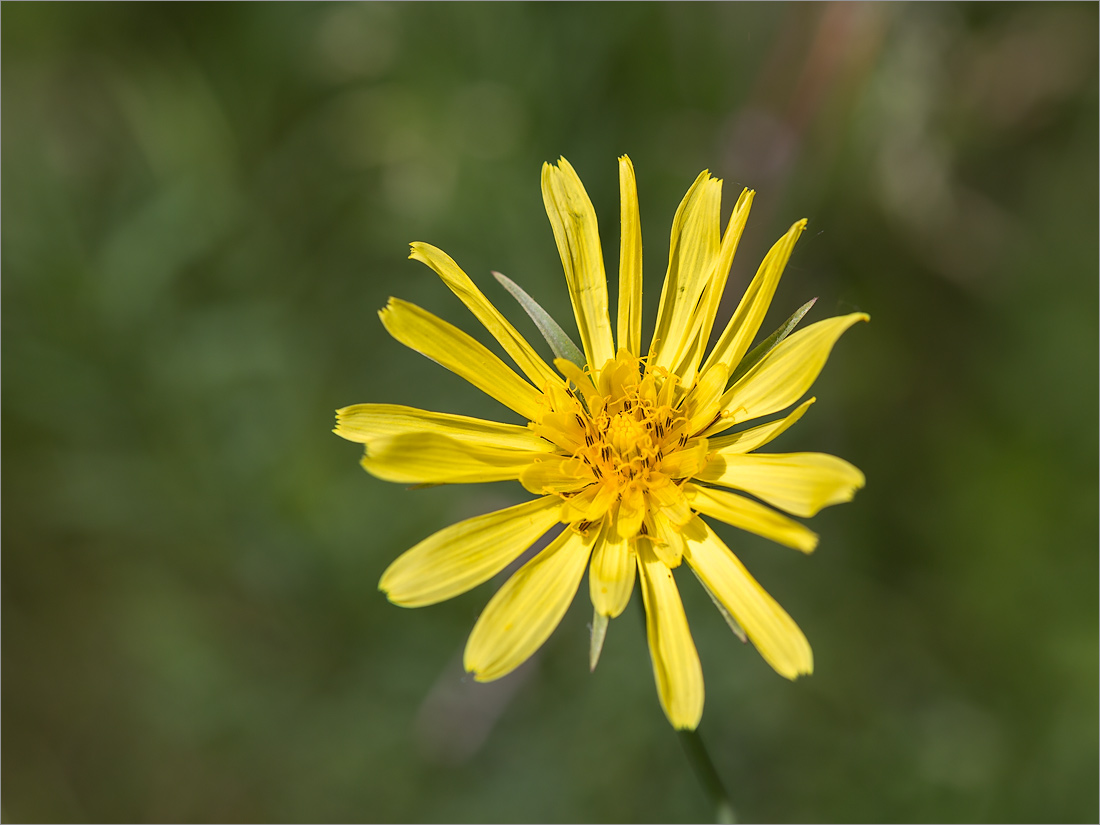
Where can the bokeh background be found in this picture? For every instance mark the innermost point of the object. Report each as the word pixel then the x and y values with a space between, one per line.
pixel 204 206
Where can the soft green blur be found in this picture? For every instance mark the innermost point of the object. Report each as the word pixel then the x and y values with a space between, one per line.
pixel 204 206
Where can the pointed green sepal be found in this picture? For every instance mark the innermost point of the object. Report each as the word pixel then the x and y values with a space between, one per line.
pixel 768 344
pixel 599 632
pixel 555 336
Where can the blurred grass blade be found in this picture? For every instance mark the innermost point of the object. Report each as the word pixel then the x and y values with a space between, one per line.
pixel 555 336
pixel 769 343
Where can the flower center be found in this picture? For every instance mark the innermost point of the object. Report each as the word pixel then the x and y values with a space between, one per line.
pixel 627 435
pixel 626 445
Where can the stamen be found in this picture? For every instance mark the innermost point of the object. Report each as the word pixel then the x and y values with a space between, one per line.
pixel 629 424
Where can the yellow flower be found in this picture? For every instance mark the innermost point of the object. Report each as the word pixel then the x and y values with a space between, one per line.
pixel 627 451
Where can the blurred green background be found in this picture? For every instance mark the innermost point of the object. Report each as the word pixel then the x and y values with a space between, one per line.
pixel 206 204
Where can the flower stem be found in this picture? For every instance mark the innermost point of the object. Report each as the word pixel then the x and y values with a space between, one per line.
pixel 704 769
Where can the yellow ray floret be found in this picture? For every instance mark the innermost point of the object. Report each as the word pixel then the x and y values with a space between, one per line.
pixel 464 555
pixel 574 222
pixel 629 333
pixel 525 611
pixel 676 667
pixel 767 625
pixel 447 345
pixel 366 423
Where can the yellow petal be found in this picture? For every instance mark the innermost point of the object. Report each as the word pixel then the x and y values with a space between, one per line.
pixel 429 458
pixel 670 501
pixel 734 341
pixel 701 403
pixel 532 364
pixel 590 504
pixel 611 574
pixel 632 511
pixel 449 346
pixel 630 261
pixel 556 474
pixel 767 625
pixel 693 251
pixel 785 373
pixel 577 235
pixel 665 539
pixel 581 379
pixel 462 556
pixel 686 462
pixel 688 363
pixel 525 611
pixel 365 423
pixel 800 483
pixel 676 667
pixel 748 440
pixel 618 375
pixel 751 516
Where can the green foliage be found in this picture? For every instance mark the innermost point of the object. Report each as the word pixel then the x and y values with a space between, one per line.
pixel 205 205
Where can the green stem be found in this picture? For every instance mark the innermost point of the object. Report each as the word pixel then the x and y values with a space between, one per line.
pixel 704 768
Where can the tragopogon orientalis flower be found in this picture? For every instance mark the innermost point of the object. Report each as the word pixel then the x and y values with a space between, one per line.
pixel 626 447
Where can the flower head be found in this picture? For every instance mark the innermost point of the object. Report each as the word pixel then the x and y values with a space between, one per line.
pixel 627 449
